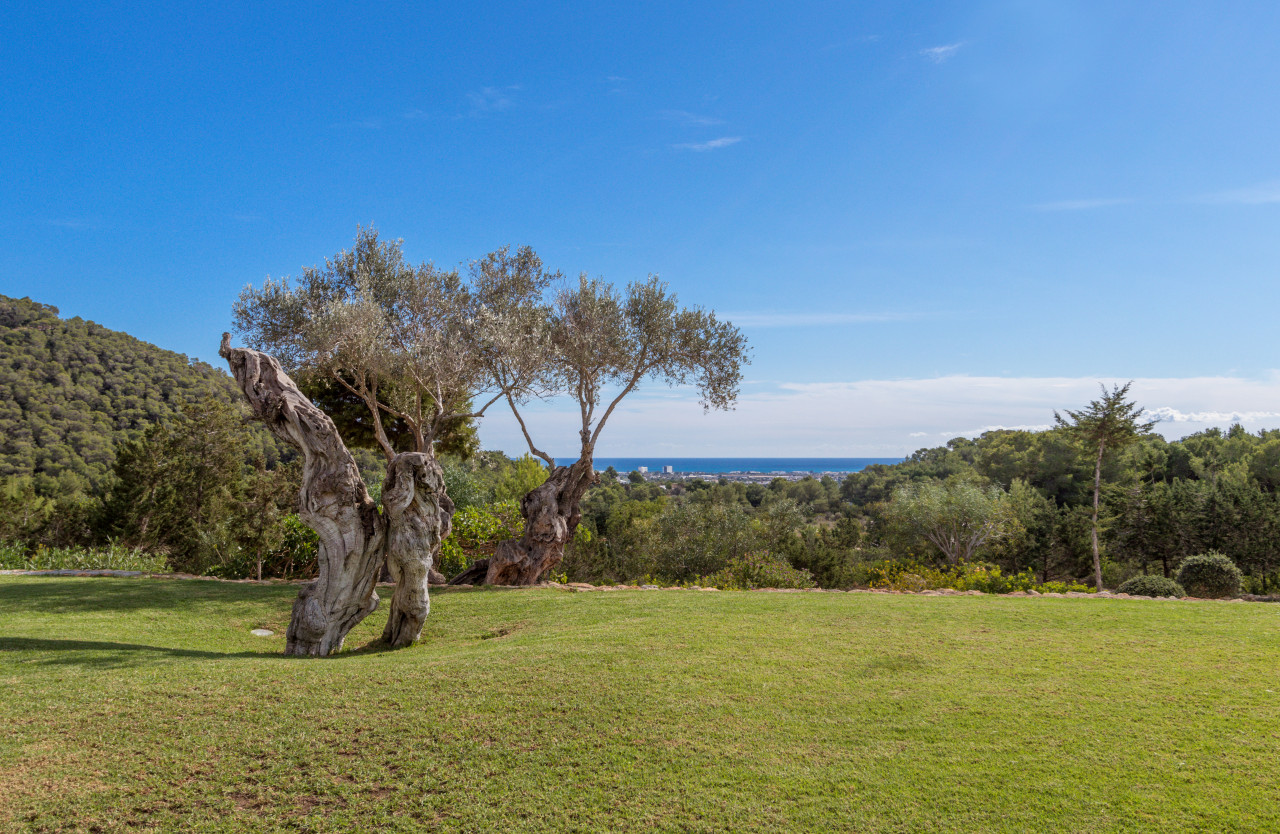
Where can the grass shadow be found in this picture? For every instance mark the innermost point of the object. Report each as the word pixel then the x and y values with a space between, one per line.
pixel 71 595
pixel 103 654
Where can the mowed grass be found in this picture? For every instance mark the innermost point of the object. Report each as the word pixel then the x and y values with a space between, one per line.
pixel 146 704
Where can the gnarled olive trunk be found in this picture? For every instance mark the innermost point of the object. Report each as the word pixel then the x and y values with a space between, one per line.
pixel 334 503
pixel 551 515
pixel 418 515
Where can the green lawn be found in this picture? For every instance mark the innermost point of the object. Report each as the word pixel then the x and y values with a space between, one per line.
pixel 146 704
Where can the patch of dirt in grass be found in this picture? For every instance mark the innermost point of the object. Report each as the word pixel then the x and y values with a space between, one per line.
pixel 501 631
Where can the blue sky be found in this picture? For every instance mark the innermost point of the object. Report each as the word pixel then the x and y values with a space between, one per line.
pixel 929 218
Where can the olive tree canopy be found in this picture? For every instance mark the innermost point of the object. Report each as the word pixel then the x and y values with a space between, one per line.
pixel 599 345
pixel 413 343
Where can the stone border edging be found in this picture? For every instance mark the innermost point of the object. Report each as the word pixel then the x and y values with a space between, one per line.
pixel 579 587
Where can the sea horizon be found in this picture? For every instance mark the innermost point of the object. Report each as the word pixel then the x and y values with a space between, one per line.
pixel 728 465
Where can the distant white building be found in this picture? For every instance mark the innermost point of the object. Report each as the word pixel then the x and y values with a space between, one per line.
pixel 668 470
pixel 642 469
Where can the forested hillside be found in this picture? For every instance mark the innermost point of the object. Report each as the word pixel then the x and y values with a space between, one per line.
pixel 72 391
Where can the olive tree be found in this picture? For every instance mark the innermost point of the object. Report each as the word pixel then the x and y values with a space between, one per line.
pixel 414 344
pixel 957 517
pixel 597 346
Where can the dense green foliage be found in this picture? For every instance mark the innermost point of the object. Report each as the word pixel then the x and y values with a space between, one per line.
pixel 71 392
pixel 476 533
pixel 758 570
pixel 1151 586
pixel 1210 576
pixel 134 705
pixel 107 439
pixel 110 557
pixel 1162 502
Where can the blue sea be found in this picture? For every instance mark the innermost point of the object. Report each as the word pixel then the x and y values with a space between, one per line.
pixel 727 465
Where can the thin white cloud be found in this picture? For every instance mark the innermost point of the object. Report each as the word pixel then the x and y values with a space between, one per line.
pixel 942 54
pixel 813 319
pixel 687 118
pixel 1081 205
pixel 1167 414
pixel 884 417
pixel 492 99
pixel 1255 195
pixel 415 115
pixel 722 142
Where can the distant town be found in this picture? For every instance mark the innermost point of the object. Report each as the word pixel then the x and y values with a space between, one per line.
pixel 668 473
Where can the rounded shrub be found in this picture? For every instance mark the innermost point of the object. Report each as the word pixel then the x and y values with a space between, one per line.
pixel 759 570
pixel 1210 575
pixel 1151 586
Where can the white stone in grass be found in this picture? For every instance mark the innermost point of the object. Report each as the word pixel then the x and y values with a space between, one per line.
pixel 262 632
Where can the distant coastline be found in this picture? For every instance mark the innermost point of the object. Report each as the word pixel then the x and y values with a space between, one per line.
pixel 654 464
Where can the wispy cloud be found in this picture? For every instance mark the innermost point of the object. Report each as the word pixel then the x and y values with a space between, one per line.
pixel 942 54
pixel 415 115
pixel 722 142
pixel 1166 414
pixel 1081 205
pixel 687 118
pixel 814 319
pixel 492 99
pixel 79 223
pixel 1255 195
pixel 884 417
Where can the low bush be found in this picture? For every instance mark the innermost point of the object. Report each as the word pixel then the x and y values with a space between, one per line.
pixel 15 556
pixel 475 534
pixel 1064 587
pixel 293 556
pixel 908 575
pixel 1151 586
pixel 760 569
pixel 1209 575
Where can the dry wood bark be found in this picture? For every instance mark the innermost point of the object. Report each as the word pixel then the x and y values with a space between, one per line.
pixel 334 503
pixel 419 516
pixel 551 515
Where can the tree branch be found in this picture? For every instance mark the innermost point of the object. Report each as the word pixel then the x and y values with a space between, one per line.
pixel 527 439
pixel 370 400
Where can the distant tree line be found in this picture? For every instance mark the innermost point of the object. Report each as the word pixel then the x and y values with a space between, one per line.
pixel 108 439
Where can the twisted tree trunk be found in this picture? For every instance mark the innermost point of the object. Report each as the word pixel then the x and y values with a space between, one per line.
pixel 334 503
pixel 419 516
pixel 551 515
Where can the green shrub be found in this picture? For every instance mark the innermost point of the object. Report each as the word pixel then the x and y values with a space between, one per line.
pixel 1065 587
pixel 476 533
pixel 15 556
pixel 760 569
pixel 1209 575
pixel 908 575
pixel 1151 586
pixel 989 579
pixel 292 557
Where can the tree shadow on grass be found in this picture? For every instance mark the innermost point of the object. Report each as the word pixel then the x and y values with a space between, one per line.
pixel 90 594
pixel 102 654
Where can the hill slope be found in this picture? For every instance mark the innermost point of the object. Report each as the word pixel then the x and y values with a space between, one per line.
pixel 71 391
